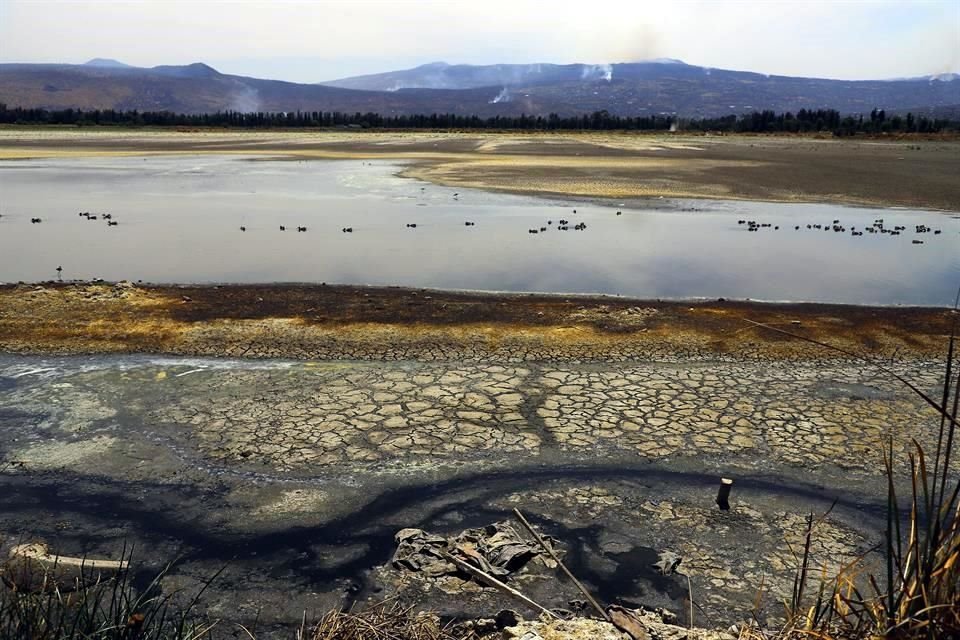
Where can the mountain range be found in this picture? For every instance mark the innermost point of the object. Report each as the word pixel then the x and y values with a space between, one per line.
pixel 662 86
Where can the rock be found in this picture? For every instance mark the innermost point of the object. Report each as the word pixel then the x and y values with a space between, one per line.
pixel 628 621
pixel 667 617
pixel 668 563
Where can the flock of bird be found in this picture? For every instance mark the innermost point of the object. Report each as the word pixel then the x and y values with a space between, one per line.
pixel 106 216
pixel 877 227
pixel 562 225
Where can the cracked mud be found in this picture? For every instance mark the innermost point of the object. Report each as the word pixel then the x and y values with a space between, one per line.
pixel 311 467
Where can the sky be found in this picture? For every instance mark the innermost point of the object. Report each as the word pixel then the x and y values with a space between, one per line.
pixel 313 41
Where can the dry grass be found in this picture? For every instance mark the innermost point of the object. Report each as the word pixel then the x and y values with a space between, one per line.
pixel 383 621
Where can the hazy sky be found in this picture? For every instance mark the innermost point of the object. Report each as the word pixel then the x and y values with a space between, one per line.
pixel 321 40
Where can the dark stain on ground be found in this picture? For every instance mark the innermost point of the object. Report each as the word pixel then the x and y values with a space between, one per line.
pixel 159 516
pixel 397 305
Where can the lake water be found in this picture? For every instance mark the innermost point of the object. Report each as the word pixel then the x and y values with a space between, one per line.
pixel 180 217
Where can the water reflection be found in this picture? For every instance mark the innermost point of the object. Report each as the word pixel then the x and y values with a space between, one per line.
pixel 180 217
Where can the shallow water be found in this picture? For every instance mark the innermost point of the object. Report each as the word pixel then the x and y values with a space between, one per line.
pixel 180 217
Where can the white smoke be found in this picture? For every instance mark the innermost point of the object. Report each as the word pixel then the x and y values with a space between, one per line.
pixel 503 96
pixel 597 72
pixel 245 99
pixel 396 87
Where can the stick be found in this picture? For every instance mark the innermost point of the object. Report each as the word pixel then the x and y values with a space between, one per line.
pixel 690 593
pixel 493 582
pixel 583 589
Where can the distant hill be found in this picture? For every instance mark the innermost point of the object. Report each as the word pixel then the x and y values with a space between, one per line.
pixel 644 88
pixel 440 75
pixel 106 62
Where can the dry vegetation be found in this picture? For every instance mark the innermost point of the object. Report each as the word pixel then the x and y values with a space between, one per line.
pixel 298 320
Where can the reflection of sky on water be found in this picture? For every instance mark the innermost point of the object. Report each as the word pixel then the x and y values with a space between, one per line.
pixel 180 217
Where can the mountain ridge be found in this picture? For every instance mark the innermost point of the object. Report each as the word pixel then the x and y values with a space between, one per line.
pixel 656 87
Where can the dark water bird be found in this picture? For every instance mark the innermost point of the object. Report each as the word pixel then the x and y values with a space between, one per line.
pixel 282 228
pixel 532 231
pixel 574 210
pixel 797 228
pixel 108 216
pixel 112 223
pixel 549 221
pixel 776 228
pixel 469 224
pixel 543 228
pixel 937 232
pixel 35 220
pixel 917 241
pixel 299 229
pixel 411 225
pixel 243 228
pixel 347 230
pixel 619 213
pixel 59 271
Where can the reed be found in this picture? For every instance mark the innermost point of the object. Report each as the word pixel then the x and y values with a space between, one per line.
pixel 918 595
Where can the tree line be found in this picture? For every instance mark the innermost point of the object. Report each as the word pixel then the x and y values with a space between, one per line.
pixel 804 121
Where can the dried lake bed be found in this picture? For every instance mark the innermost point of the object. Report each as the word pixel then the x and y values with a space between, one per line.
pixel 608 421
pixel 295 475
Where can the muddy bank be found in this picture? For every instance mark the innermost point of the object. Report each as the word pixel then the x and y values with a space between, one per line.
pixel 909 173
pixel 297 476
pixel 367 323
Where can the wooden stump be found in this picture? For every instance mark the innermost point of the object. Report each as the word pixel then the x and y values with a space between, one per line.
pixel 723 495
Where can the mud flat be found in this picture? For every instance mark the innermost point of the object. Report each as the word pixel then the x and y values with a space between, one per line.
pixel 915 173
pixel 288 432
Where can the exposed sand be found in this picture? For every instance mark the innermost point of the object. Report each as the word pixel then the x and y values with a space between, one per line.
pixel 918 173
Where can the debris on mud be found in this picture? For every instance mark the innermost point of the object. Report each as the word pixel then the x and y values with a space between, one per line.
pixel 496 549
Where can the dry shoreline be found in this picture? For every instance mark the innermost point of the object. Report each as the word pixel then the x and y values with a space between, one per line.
pixel 914 173
pixel 310 322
